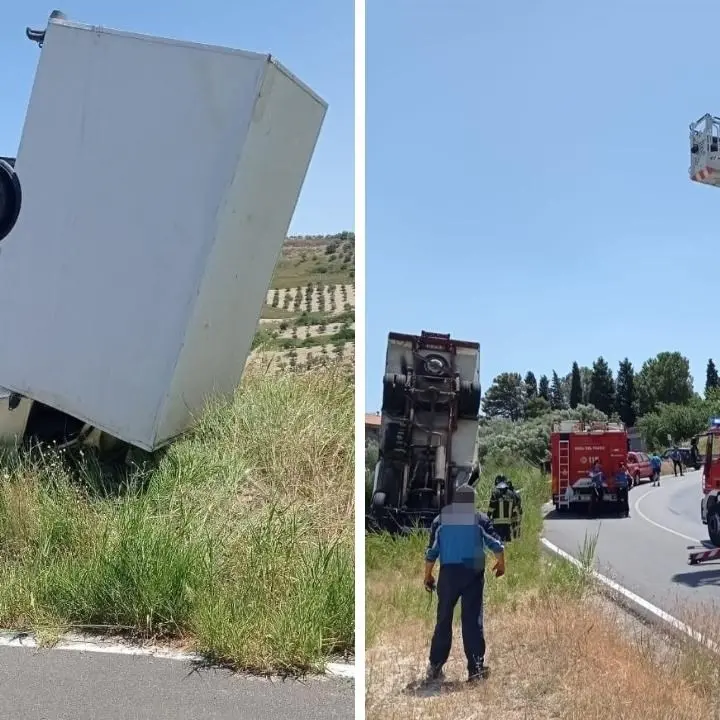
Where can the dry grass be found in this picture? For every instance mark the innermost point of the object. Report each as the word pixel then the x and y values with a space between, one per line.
pixel 550 658
pixel 556 647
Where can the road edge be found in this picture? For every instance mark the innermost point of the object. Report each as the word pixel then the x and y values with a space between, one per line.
pixel 89 644
pixel 633 603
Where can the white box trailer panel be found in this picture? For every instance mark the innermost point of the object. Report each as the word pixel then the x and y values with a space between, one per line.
pixel 159 180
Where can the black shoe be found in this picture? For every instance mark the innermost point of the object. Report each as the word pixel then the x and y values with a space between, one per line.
pixel 479 674
pixel 434 672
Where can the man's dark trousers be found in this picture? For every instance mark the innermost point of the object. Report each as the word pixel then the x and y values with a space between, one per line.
pixel 460 582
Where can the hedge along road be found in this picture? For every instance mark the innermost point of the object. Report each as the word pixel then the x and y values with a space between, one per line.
pixel 647 552
pixel 71 685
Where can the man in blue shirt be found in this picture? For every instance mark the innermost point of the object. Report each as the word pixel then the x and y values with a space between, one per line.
pixel 622 487
pixel 597 491
pixel 656 464
pixel 459 538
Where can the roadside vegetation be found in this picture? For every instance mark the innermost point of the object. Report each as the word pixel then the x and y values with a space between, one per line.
pixel 659 399
pixel 557 648
pixel 236 542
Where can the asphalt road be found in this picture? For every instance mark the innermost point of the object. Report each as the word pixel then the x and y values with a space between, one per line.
pixel 647 552
pixel 68 685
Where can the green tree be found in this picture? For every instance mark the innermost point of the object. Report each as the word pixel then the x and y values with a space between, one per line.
pixel 536 407
pixel 712 381
pixel 576 390
pixel 505 398
pixel 664 379
pixel 557 397
pixel 501 441
pixel 531 387
pixel 602 387
pixel 677 422
pixel 625 393
pixel 544 388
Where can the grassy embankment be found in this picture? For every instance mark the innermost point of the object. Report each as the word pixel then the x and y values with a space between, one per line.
pixel 556 648
pixel 237 542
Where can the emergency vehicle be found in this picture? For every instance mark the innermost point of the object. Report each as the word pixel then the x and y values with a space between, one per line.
pixel 574 447
pixel 705 169
pixel 709 505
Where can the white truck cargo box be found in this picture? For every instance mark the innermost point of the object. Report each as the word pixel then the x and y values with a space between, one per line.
pixel 159 179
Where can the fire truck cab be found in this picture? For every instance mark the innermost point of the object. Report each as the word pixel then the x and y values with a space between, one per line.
pixel 709 506
pixel 574 447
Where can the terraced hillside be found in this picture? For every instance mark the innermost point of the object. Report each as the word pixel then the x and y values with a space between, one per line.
pixel 309 312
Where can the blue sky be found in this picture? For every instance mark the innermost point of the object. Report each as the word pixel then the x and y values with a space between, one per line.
pixel 527 181
pixel 313 39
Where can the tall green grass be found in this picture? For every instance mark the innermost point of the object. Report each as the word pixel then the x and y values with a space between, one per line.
pixel 238 541
pixel 394 564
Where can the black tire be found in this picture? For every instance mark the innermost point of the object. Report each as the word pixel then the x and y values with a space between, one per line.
pixel 635 480
pixel 394 400
pixel 469 400
pixel 388 485
pixel 378 500
pixel 10 198
pixel 713 526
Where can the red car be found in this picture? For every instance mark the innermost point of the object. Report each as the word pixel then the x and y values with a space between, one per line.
pixel 639 467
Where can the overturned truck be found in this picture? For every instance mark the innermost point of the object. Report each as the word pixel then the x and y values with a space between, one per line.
pixel 428 432
pixel 140 223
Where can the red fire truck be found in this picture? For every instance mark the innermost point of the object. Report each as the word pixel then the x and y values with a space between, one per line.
pixel 709 505
pixel 574 447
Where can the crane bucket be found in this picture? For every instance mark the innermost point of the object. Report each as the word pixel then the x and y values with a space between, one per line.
pixel 705 150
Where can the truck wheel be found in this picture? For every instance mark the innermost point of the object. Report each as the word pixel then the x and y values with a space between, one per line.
pixel 714 524
pixel 388 486
pixel 394 394
pixel 378 500
pixel 10 198
pixel 469 400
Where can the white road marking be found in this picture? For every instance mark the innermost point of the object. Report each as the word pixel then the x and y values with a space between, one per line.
pixel 89 644
pixel 657 524
pixel 636 599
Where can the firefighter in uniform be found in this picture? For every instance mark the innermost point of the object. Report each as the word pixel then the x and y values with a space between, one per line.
pixel 504 509
pixel 694 454
pixel 459 538
pixel 518 506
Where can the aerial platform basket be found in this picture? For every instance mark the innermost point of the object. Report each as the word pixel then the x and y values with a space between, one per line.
pixel 705 150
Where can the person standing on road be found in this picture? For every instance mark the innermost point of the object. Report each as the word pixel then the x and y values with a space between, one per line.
pixel 622 486
pixel 677 461
pixel 694 454
pixel 656 464
pixel 459 538
pixel 597 478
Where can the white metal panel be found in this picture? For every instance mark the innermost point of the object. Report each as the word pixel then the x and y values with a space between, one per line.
pixel 252 226
pixel 464 442
pixel 128 148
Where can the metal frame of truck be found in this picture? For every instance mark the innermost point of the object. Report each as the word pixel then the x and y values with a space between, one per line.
pixel 427 400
